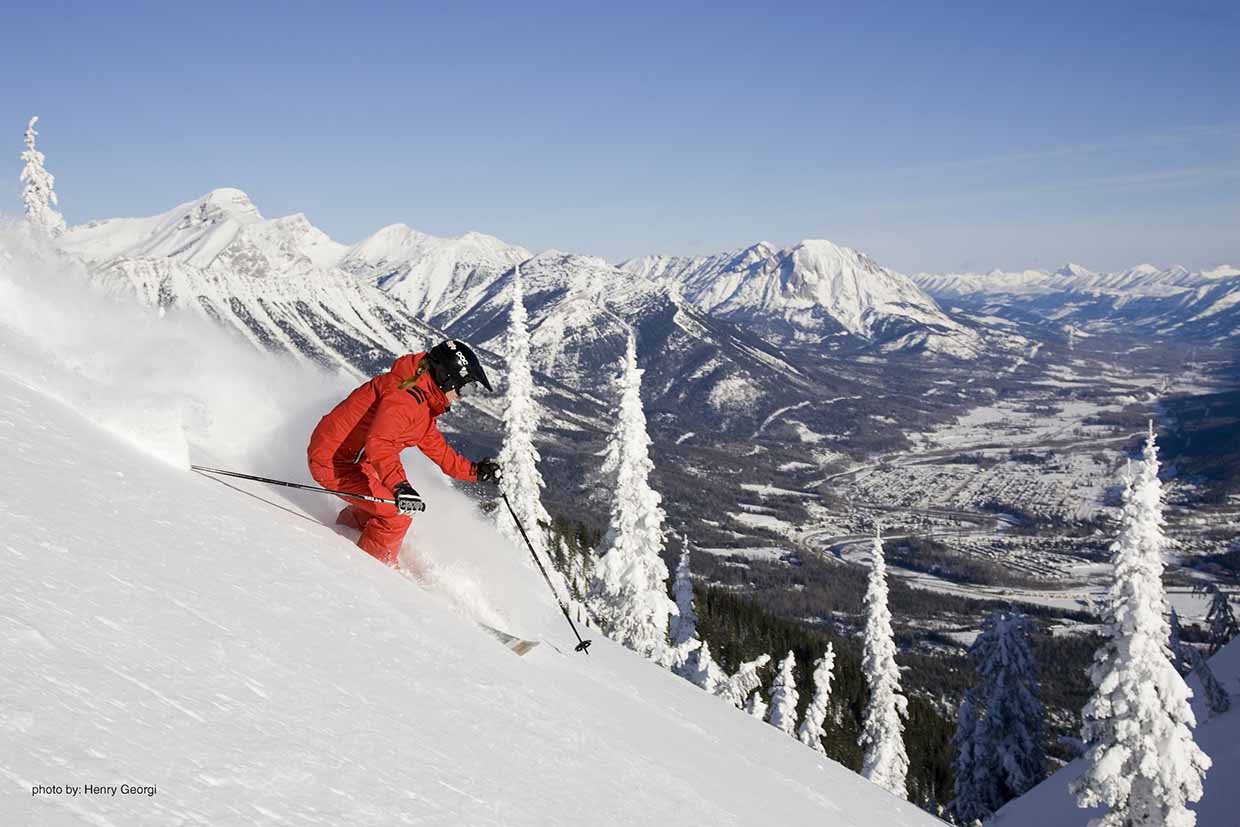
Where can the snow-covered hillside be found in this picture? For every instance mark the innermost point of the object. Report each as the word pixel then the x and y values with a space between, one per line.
pixel 1219 737
pixel 226 646
pixel 812 291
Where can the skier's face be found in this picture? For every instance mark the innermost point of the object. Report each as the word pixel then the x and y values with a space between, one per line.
pixel 452 396
pixel 467 390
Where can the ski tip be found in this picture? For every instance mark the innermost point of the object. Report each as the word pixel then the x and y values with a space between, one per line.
pixel 511 642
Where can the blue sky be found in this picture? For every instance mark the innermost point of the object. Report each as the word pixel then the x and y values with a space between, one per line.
pixel 932 136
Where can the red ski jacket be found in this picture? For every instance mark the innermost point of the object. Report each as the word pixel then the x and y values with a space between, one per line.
pixel 374 423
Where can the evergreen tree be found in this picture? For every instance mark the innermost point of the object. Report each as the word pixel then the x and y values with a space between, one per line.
pixel 784 696
pixel 38 191
pixel 756 706
pixel 630 589
pixel 701 670
pixel 1222 622
pixel 812 729
pixel 734 688
pixel 885 761
pixel 521 482
pixel 576 571
pixel 684 625
pixel 573 553
pixel 1008 753
pixel 967 804
pixel 1141 762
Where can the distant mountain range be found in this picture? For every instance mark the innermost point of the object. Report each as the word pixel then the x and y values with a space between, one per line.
pixel 736 332
pixel 1202 305
pixel 220 253
pixel 796 357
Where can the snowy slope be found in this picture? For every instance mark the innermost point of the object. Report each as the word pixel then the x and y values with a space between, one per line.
pixel 1051 803
pixel 812 290
pixel 233 650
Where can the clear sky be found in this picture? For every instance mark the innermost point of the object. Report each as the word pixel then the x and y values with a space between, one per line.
pixel 934 136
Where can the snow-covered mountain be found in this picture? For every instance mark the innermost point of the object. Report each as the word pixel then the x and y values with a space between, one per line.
pixel 813 291
pixel 582 310
pixel 223 650
pixel 1051 803
pixel 1142 280
pixel 1175 300
pixel 437 278
pixel 273 281
pixel 223 222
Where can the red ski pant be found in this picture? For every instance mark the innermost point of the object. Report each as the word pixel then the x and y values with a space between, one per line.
pixel 383 527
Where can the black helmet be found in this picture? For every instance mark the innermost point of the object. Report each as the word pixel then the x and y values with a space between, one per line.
pixel 453 365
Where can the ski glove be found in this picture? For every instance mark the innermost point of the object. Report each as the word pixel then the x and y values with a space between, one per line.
pixel 489 471
pixel 408 501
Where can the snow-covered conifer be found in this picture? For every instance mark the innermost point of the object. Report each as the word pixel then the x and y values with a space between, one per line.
pixel 1142 764
pixel 630 590
pixel 1223 626
pixel 734 688
pixel 38 192
pixel 756 705
pixel 784 696
pixel 812 730
pixel 701 670
pixel 1008 752
pixel 885 761
pixel 684 625
pixel 966 803
pixel 521 483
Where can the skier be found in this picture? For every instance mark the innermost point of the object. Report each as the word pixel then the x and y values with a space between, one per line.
pixel 357 446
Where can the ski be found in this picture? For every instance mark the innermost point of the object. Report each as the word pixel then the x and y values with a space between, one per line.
pixel 516 644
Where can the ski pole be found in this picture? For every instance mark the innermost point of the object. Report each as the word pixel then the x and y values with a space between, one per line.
pixel 366 497
pixel 582 645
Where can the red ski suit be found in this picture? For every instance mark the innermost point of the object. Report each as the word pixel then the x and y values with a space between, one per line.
pixel 357 447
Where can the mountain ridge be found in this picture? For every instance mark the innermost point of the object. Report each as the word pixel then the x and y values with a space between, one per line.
pixel 813 291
